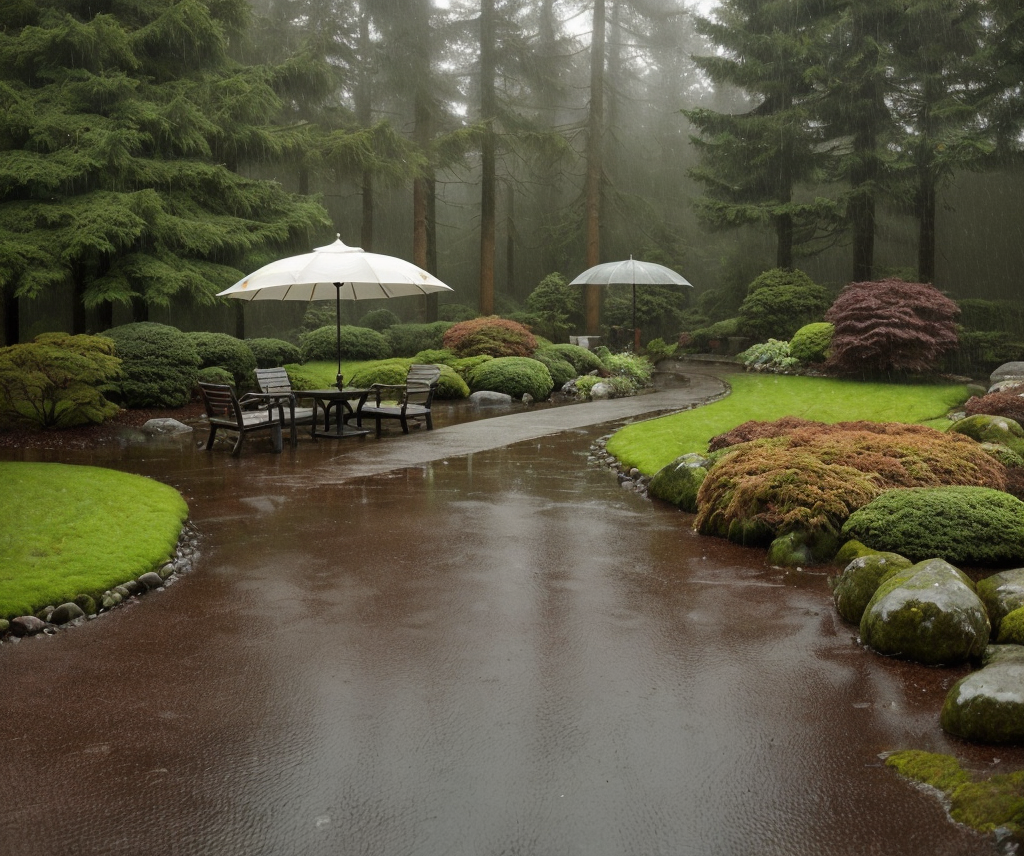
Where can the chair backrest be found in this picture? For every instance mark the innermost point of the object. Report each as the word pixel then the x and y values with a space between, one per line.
pixel 420 383
pixel 220 401
pixel 273 380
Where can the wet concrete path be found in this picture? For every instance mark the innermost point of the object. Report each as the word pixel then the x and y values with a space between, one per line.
pixel 494 650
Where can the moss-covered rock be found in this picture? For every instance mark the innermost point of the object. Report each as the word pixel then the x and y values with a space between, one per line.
pixel 1002 593
pixel 1003 654
pixel 852 549
pixel 987 705
pixel 992 429
pixel 679 481
pixel 928 613
pixel 963 525
pixel 853 589
pixel 1011 631
pixel 801 548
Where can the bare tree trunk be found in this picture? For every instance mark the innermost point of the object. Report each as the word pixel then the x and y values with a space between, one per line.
pixel 926 202
pixel 510 241
pixel 364 116
pixel 488 109
pixel 595 124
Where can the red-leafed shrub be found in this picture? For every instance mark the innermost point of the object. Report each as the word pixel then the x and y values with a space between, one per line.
pixel 491 336
pixel 1009 404
pixel 890 327
pixel 812 477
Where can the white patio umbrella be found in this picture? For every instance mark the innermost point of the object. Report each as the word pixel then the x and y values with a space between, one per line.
pixel 631 272
pixel 335 271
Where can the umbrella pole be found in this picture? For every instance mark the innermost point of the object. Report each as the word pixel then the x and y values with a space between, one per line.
pixel 337 314
pixel 636 333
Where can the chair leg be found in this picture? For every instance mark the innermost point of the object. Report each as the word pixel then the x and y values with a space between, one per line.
pixel 278 437
pixel 379 420
pixel 430 422
pixel 238 444
pixel 209 440
pixel 405 424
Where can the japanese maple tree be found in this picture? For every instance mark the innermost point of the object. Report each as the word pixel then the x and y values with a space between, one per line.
pixel 890 327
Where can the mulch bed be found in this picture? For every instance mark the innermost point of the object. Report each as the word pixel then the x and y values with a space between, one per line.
pixel 90 436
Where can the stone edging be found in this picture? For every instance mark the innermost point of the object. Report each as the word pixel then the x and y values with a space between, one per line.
pixel 84 608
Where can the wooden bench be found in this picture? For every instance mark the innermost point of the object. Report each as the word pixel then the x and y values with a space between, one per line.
pixel 276 382
pixel 414 399
pixel 225 410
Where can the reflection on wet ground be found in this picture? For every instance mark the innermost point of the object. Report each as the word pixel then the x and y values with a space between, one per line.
pixel 496 653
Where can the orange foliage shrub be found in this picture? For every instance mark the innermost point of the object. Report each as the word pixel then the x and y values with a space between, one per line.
pixel 813 476
pixel 491 336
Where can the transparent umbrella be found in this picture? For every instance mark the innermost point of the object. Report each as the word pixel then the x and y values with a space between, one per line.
pixel 630 272
pixel 336 271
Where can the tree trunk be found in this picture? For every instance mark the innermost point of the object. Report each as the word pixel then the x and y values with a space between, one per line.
pixel 510 242
pixel 595 124
pixel 105 315
pixel 488 109
pixel 430 301
pixel 364 116
pixel 926 202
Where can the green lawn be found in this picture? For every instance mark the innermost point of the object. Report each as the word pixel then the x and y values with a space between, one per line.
pixel 68 530
pixel 652 444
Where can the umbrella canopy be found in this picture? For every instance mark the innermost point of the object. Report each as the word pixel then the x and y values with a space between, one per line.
pixel 630 272
pixel 336 271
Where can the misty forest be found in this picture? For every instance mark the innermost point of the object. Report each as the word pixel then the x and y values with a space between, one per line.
pixel 153 152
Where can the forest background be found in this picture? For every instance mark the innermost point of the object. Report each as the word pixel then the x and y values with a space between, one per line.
pixel 152 153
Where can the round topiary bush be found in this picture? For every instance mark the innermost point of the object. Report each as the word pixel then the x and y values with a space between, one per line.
pixel 963 525
pixel 357 343
pixel 449 386
pixel 379 320
pixel 491 336
pixel 514 376
pixel 271 353
pixel 219 350
pixel 215 374
pixel 434 356
pixel 579 358
pixel 561 370
pixel 779 303
pixel 159 365
pixel 467 365
pixel 811 342
pixel 408 339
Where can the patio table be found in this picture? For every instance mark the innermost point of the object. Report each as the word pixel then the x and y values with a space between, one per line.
pixel 340 402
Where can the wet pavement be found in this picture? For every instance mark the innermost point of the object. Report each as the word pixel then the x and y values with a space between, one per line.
pixel 409 646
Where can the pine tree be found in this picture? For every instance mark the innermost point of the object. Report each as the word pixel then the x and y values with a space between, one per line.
pixel 123 131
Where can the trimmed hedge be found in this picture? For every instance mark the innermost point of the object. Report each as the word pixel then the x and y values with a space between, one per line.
pixel 561 370
pixel 159 365
pixel 449 386
pixel 514 376
pixel 408 339
pixel 357 343
pixel 810 344
pixel 963 525
pixel 219 350
pixel 271 353
pixel 581 359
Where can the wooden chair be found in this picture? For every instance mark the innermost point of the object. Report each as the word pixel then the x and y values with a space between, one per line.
pixel 275 382
pixel 225 410
pixel 413 399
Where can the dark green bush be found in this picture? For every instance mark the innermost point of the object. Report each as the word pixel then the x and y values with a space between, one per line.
pixel 226 352
pixel 159 365
pixel 56 381
pixel 707 339
pixel 978 354
pixel 581 359
pixel 215 374
pixel 435 356
pixel 271 353
pixel 357 343
pixel 963 525
pixel 394 371
pixel 781 302
pixel 659 309
pixel 465 366
pixel 514 376
pixel 456 312
pixel 379 320
pixel 658 349
pixel 811 342
pixel 993 316
pixel 777 277
pixel 408 339
pixel 560 369
pixel 556 306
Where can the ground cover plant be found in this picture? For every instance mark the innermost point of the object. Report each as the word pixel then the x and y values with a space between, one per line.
pixel 652 444
pixel 112 527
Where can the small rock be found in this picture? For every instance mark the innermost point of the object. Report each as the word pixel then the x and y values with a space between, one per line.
pixel 487 398
pixel 44 613
pixel 5 625
pixel 527 398
pixel 166 426
pixel 166 571
pixel 66 612
pixel 150 581
pixel 132 587
pixel 86 604
pixel 626 483
pixel 27 625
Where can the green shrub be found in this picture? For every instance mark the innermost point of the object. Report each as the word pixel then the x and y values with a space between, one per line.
pixel 514 376
pixel 657 349
pixel 465 366
pixel 584 385
pixel 770 356
pixel 357 343
pixel 456 312
pixel 581 359
pixel 963 525
pixel 159 365
pixel 706 339
pixel 408 339
pixel 778 311
pixel 993 316
pixel 215 374
pixel 560 369
pixel 56 381
pixel 490 336
pixel 394 371
pixel 271 353
pixel 435 356
pixel 451 385
pixel 811 342
pixel 779 277
pixel 224 351
pixel 556 305
pixel 379 320
pixel 635 369
pixel 978 354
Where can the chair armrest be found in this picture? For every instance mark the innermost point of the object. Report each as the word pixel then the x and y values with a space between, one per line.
pixel 378 388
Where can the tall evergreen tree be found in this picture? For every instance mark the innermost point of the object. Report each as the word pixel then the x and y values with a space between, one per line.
pixel 122 132
pixel 752 162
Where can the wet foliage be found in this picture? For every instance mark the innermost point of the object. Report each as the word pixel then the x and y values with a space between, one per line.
pixel 490 336
pixel 1008 403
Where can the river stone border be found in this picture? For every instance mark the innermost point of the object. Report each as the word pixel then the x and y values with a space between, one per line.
pixel 631 479
pixel 51 619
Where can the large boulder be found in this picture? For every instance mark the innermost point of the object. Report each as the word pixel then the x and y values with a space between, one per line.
pixel 1013 371
pixel 1011 631
pixel 679 481
pixel 853 589
pixel 988 705
pixel 928 613
pixel 991 429
pixel 1002 593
